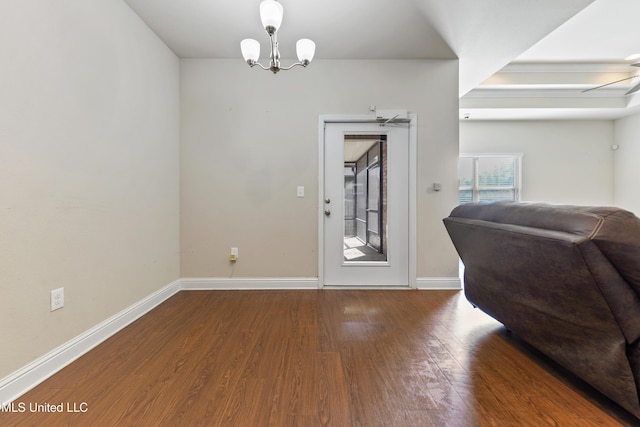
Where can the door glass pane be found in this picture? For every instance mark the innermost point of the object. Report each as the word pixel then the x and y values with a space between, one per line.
pixel 373 203
pixel 361 198
pixel 373 155
pixel 349 200
pixel 365 198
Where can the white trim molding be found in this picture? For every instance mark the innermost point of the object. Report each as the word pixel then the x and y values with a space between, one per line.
pixel 439 283
pixel 249 283
pixel 26 378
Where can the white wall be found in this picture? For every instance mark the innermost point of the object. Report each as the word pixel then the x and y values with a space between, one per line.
pixel 249 138
pixel 89 171
pixel 627 163
pixel 568 162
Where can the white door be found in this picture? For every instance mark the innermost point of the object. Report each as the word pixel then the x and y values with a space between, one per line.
pixel 366 204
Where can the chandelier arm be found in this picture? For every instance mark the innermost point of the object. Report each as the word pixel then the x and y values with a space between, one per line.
pixel 259 65
pixel 302 64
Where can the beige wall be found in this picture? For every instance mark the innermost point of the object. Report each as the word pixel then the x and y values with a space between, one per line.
pixel 567 162
pixel 89 147
pixel 627 167
pixel 249 138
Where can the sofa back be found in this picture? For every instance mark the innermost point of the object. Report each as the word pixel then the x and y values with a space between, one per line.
pixel 615 231
pixel 592 251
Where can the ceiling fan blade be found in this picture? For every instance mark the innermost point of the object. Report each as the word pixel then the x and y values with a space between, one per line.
pixel 607 84
pixel 634 89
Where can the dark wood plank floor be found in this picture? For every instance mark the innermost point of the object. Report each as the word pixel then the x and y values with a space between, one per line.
pixel 315 358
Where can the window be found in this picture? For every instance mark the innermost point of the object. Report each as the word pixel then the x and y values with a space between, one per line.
pixel 489 177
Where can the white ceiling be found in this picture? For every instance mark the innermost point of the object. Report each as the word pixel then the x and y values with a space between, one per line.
pixel 547 80
pixel 605 31
pixel 485 35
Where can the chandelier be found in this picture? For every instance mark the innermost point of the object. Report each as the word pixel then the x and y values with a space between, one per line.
pixel 271 15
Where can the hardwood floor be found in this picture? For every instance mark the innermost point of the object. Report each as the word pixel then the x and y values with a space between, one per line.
pixel 315 358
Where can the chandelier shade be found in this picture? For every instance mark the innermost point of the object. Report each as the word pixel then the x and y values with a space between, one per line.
pixel 271 13
pixel 250 49
pixel 305 49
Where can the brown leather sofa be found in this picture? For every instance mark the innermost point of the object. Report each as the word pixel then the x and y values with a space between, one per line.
pixel 566 279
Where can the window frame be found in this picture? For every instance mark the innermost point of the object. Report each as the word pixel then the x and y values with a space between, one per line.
pixel 475 188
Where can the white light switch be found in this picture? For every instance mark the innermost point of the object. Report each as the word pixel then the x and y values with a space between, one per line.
pixel 300 191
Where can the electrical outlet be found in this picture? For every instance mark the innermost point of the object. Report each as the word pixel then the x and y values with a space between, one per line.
pixel 234 254
pixel 57 299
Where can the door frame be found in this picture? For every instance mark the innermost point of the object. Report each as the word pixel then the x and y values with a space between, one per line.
pixel 413 148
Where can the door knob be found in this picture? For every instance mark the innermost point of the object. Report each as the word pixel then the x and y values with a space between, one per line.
pixel 327 212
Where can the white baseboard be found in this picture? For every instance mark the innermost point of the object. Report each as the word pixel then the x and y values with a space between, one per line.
pixel 213 283
pixel 23 380
pixel 438 283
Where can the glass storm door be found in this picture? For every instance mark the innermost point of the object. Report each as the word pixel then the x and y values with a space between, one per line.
pixel 366 204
